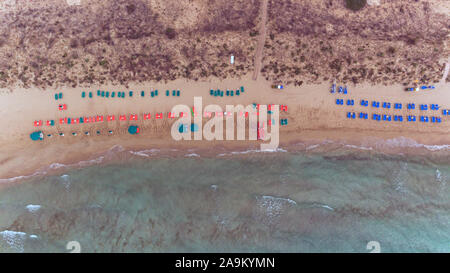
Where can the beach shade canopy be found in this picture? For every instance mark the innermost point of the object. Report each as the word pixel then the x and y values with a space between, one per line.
pixel 38 135
pixel 183 128
pixel 194 127
pixel 133 129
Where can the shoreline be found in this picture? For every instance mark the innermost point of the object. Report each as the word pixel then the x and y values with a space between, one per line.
pixel 312 113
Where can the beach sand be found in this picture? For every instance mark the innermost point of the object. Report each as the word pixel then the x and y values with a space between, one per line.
pixel 312 114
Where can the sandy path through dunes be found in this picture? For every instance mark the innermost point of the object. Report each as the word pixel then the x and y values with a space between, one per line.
pixel 261 41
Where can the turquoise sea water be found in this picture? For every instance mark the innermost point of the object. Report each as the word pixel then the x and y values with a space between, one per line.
pixel 314 199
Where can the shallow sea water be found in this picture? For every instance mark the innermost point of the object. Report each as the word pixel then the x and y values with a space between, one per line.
pixel 302 201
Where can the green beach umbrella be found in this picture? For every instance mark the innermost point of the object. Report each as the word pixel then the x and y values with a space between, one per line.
pixel 133 129
pixel 38 135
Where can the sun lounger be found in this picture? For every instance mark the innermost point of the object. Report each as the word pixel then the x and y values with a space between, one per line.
pixel 81 120
pixel 90 95
pixel 237 92
pixel 107 94
pixel 156 92
pixel 60 96
pixel 113 94
pixel 340 89
pixel 103 93
pixel 56 96
pixel 231 93
pixel 350 102
pixel 130 94
pixel 122 117
pixel 178 93
pixel 387 105
pixel 83 94
pixel 411 118
pixel 438 120
pixel 242 89
pixel 221 93
pixel 152 94
pixel 375 104
pixel 434 107
pixel 423 107
pixel 69 120
pixel 50 122
pixel 423 119
pixel 99 92
pixel 168 93
pixel 433 119
pixel 387 117
pixel 398 106
pixel 411 106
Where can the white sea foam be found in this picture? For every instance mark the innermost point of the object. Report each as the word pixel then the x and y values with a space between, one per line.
pixel 192 155
pixel 279 150
pixel 14 239
pixel 33 208
pixel 409 143
pixel 145 153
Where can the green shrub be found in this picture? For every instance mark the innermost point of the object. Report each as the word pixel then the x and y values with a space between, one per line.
pixel 355 4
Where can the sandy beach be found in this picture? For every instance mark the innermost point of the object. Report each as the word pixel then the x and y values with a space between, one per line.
pixel 312 114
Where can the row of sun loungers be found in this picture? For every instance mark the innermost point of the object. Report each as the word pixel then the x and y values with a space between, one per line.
pixel 398 118
pixel 229 93
pixel 341 89
pixel 387 105
pixel 121 94
pixel 133 117
pixel 175 93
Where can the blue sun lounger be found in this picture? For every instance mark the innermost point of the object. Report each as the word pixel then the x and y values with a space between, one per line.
pixel 156 92
pixel 340 101
pixel 152 94
pixel 345 90
pixel 350 102
pixel 178 93
pixel 398 106
pixel 107 94
pixel 363 115
pixel 228 92
pixel 130 93
pixel 444 112
pixel 221 93
pixel 69 120
pixel 81 120
pixel 387 105
pixel 423 107
pixel 174 92
pixel 340 89
pixel 364 103
pixel 99 92
pixel 231 93
pixel 434 106
pixel 83 94
pixel 433 119
pixel 237 92
pixel 411 106
pixel 438 120
pixel 60 96
pixel 398 118
pixel 423 119
pixel 242 91
pixel 142 93
pixel 333 89
pixel 351 115
pixel 90 95
pixel 56 96
pixel 387 117
pixel 375 104
pixel 113 94
pixel 376 117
